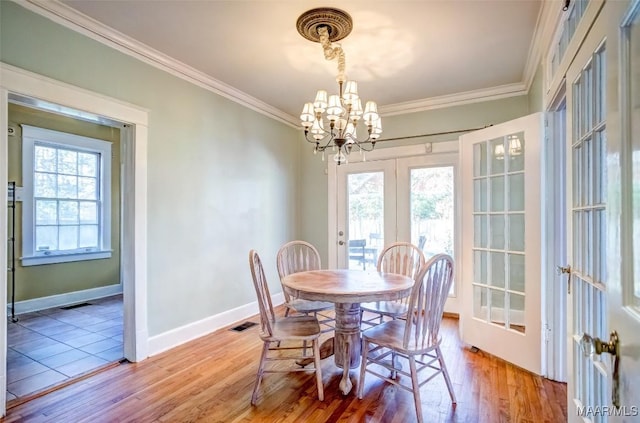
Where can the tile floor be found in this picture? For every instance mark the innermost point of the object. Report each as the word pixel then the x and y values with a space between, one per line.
pixel 51 346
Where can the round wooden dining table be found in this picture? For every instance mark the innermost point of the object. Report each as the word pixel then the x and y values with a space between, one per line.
pixel 347 289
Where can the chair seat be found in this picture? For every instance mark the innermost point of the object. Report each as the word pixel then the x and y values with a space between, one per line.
pixel 307 306
pixel 387 308
pixel 390 335
pixel 302 328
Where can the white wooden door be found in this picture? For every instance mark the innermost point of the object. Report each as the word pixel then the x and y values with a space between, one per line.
pixel 603 103
pixel 501 237
pixel 624 297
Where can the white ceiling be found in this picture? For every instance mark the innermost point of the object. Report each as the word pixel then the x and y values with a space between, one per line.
pixel 406 55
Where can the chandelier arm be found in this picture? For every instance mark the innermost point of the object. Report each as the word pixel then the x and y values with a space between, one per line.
pixel 331 52
pixel 317 142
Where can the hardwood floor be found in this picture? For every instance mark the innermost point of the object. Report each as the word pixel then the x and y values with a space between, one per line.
pixel 210 379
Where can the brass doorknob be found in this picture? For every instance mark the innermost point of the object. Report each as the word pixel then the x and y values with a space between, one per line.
pixel 596 346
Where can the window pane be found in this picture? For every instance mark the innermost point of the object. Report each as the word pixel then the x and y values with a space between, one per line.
pixel 432 212
pixel 69 214
pixel 515 152
pixel 89 236
pixel 44 158
pixel 480 266
pixel 88 212
pixel 480 195
pixel 88 164
pixel 366 217
pixel 497 313
pixel 516 192
pixel 497 193
pixel 67 162
pixel 480 308
pixel 46 212
pixel 44 185
pixel 516 272
pixel 496 148
pixel 516 312
pixel 68 237
pixel 480 231
pixel 46 238
pixel 516 232
pixel 496 232
pixel 67 186
pixel 497 269
pixel 87 188
pixel 480 159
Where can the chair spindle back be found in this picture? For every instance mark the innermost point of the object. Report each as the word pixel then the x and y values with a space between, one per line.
pixel 402 258
pixel 267 316
pixel 426 304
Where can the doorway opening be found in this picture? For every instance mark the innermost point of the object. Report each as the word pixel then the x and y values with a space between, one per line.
pixel 65 257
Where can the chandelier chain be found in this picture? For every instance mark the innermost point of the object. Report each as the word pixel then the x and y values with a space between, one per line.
pixel 333 51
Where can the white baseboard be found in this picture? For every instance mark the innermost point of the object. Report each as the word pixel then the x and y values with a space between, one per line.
pixel 60 300
pixel 186 333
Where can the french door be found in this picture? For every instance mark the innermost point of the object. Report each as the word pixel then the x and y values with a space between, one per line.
pixel 603 182
pixel 587 225
pixel 396 199
pixel 501 240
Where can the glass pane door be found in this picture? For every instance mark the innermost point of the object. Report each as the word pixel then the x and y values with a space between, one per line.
pixel 587 178
pixel 501 240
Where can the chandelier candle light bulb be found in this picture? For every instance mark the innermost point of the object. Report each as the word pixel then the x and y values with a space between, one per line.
pixel 341 111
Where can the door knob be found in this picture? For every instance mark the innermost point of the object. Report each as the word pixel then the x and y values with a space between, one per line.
pixel 341 242
pixel 596 346
pixel 562 270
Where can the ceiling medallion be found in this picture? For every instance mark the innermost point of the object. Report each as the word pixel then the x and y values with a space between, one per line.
pixel 337 22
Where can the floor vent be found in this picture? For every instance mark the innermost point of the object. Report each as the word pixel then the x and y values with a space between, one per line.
pixel 244 326
pixel 70 307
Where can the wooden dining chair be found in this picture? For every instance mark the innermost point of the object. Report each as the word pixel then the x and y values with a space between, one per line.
pixel 274 330
pixel 400 257
pixel 300 256
pixel 415 339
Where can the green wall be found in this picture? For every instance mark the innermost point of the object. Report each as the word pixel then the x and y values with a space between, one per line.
pixel 536 93
pixel 222 179
pixel 51 279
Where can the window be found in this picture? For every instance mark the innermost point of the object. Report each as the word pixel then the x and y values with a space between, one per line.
pixel 66 212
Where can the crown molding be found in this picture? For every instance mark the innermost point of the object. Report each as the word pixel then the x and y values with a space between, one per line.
pixel 459 99
pixel 76 21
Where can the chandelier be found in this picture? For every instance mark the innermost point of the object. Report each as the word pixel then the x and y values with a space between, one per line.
pixel 332 120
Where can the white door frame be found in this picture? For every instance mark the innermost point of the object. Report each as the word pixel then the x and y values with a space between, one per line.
pixel 554 223
pixel 14 80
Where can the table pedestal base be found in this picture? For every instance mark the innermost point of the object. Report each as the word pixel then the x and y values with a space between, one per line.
pixel 347 341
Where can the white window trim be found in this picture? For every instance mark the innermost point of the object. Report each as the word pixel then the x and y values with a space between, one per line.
pixel 31 135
